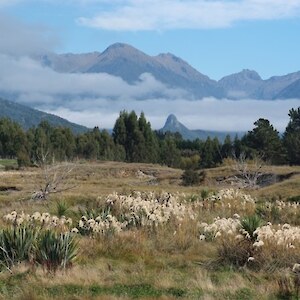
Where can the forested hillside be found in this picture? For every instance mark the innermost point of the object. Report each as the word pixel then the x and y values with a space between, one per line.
pixel 28 117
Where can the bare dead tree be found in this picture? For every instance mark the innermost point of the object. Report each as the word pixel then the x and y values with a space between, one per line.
pixel 55 177
pixel 248 172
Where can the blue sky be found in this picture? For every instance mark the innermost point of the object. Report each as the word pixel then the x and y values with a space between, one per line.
pixel 216 37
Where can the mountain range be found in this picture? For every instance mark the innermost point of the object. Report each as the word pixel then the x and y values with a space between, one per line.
pixel 129 63
pixel 28 117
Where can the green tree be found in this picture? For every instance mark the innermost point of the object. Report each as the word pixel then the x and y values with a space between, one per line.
pixel 170 154
pixel 264 140
pixel 136 136
pixel 41 143
pixel 291 137
pixel 12 139
pixel 63 143
pixel 227 147
pixel 210 153
pixel 86 146
pixel 151 148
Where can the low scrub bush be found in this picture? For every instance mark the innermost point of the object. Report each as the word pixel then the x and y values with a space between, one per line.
pixel 192 177
pixel 234 252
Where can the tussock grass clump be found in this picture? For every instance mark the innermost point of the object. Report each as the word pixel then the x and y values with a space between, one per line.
pixel 148 209
pixel 249 226
pixel 17 245
pixel 37 239
pixel 56 251
pixel 279 211
pixel 62 208
pixel 38 220
pixel 248 242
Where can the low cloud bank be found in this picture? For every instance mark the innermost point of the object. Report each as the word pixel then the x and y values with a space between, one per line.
pixel 209 113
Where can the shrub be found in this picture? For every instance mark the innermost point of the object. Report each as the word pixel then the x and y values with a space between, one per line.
pixel 233 252
pixel 294 199
pixel 23 159
pixel 16 245
pixel 285 286
pixel 191 177
pixel 250 224
pixel 204 194
pixel 62 208
pixel 56 251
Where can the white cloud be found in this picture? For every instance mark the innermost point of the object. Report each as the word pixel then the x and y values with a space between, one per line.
pixel 208 114
pixel 26 76
pixel 134 15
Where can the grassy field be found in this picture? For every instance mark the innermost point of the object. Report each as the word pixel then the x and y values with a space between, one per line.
pixel 174 256
pixel 8 163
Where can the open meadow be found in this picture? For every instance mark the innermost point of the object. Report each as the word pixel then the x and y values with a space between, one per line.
pixel 123 231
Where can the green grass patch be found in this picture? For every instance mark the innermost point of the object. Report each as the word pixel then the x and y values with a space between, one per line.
pixel 294 199
pixel 136 291
pixel 240 294
pixel 8 163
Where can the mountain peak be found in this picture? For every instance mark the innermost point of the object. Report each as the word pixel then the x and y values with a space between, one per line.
pixel 173 125
pixel 251 74
pixel 121 48
pixel 118 46
pixel 172 120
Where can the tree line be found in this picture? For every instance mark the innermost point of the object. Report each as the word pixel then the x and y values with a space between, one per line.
pixel 133 140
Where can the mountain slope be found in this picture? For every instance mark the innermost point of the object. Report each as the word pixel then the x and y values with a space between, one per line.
pixel 69 62
pixel 173 125
pixel 273 86
pixel 292 91
pixel 28 117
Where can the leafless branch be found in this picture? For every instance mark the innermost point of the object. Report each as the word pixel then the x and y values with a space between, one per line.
pixel 55 178
pixel 248 173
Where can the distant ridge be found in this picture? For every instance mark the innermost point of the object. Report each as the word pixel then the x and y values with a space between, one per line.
pixel 129 63
pixel 28 117
pixel 173 125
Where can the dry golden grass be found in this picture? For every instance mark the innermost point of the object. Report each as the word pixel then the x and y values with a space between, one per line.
pixel 170 257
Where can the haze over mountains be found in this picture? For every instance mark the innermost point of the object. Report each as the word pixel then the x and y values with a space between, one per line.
pixel 129 63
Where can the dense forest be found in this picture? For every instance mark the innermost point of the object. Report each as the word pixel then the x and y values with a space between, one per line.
pixel 133 140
